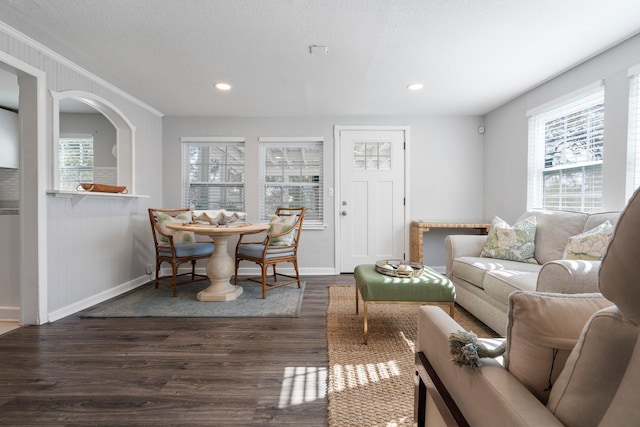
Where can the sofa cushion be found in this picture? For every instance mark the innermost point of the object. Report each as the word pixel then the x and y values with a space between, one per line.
pixel 473 269
pixel 542 329
pixel 596 219
pixel 553 231
pixel 515 243
pixel 501 283
pixel 590 245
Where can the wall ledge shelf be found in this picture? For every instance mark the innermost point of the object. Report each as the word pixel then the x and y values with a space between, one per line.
pixel 77 196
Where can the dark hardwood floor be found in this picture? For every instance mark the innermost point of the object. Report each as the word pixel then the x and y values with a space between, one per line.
pixel 170 371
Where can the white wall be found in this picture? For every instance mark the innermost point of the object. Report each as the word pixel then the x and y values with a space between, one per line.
pixel 505 142
pixel 445 169
pixel 75 277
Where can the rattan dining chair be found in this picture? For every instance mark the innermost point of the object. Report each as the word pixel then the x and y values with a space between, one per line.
pixel 176 247
pixel 280 246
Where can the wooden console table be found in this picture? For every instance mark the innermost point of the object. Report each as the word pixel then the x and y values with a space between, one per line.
pixel 418 228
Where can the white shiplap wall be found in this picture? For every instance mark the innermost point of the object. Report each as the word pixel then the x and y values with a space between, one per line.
pixel 95 247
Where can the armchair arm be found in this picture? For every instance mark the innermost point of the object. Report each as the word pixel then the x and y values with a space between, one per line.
pixel 240 242
pixel 168 236
pixel 459 245
pixel 569 277
pixel 487 396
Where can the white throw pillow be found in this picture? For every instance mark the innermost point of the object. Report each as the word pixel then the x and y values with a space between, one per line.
pixel 590 245
pixel 515 243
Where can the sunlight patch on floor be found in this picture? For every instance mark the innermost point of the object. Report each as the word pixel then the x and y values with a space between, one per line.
pixel 352 376
pixel 302 384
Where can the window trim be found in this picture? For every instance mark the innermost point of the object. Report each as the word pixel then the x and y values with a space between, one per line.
pixel 204 140
pixel 536 150
pixel 307 225
pixel 633 129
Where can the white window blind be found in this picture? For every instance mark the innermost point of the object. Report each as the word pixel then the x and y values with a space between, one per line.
pixel 291 175
pixel 633 142
pixel 75 161
pixel 213 173
pixel 566 142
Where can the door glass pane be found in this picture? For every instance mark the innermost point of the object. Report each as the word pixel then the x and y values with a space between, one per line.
pixel 371 156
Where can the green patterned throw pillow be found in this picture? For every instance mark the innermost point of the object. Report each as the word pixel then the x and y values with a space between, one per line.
pixel 179 237
pixel 590 245
pixel 514 243
pixel 281 224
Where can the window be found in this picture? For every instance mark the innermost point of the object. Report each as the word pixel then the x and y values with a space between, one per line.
pixel 213 173
pixel 371 155
pixel 75 160
pixel 633 152
pixel 566 153
pixel 291 176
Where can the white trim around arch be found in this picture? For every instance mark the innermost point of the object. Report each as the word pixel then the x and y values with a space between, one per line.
pixel 125 132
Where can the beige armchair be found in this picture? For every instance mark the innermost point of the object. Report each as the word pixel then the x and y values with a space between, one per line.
pixel 176 248
pixel 279 246
pixel 571 360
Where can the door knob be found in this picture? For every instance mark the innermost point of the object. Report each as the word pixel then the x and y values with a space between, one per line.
pixel 343 213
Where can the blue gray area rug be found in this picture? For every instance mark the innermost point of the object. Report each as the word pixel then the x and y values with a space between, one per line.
pixel 148 301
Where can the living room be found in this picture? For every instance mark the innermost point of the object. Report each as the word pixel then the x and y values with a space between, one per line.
pixel 80 252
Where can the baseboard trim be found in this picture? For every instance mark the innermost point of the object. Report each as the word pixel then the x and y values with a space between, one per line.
pixel 97 298
pixel 9 314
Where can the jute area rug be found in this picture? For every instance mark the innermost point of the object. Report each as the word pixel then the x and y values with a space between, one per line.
pixel 373 385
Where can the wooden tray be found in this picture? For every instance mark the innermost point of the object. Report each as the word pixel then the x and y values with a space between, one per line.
pixel 399 268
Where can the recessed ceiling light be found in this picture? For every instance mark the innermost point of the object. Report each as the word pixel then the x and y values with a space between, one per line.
pixel 415 86
pixel 223 86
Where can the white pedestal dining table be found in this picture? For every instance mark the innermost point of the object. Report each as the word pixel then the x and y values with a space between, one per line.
pixel 221 265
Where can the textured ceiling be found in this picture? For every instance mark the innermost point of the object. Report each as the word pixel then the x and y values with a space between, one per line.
pixel 471 55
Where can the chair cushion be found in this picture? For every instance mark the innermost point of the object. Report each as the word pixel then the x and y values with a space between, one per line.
pixel 256 250
pixel 618 278
pixel 542 330
pixel 189 249
pixel 590 379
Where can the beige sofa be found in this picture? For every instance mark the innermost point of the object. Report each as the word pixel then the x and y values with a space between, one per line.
pixel 483 285
pixel 563 366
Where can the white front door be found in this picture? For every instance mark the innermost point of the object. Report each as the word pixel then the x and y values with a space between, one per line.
pixel 371 199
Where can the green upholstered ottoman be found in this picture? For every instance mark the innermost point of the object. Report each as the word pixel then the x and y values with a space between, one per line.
pixel 430 287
